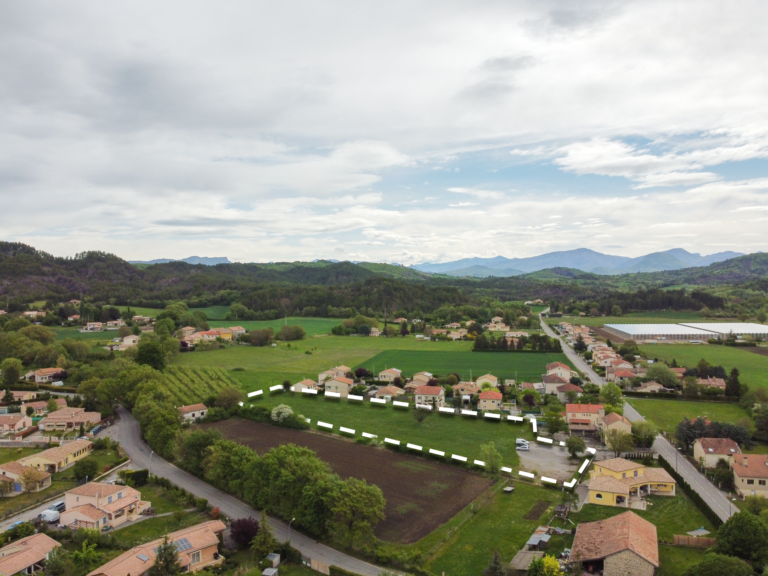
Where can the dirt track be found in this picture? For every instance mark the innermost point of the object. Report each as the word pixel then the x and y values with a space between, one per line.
pixel 421 495
pixel 761 350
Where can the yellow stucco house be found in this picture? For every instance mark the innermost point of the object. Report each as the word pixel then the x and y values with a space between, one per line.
pixel 617 482
pixel 60 458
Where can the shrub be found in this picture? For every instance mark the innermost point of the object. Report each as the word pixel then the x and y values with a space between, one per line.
pixel 281 412
pixel 201 504
pixel 243 531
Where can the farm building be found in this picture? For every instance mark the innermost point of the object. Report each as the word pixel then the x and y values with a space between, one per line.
pixel 724 329
pixel 659 332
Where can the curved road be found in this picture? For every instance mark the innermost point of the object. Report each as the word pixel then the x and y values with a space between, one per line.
pixel 716 499
pixel 128 434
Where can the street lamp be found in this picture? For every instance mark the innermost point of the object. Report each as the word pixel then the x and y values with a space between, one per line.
pixel 150 462
pixel 289 529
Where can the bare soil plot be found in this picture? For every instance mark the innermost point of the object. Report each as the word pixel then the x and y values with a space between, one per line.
pixel 603 333
pixel 762 351
pixel 421 494
pixel 538 509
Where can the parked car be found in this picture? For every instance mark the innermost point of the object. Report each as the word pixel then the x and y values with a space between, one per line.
pixel 12 526
pixel 522 444
pixel 58 506
pixel 50 516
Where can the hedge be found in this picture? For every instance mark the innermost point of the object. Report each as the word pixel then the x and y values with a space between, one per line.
pixel 336 571
pixel 668 396
pixel 691 493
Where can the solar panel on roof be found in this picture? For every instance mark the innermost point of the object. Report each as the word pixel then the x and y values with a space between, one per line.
pixel 143 558
pixel 182 545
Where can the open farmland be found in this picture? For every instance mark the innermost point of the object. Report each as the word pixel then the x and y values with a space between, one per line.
pixel 313 326
pixel 192 385
pixel 527 366
pixel 752 367
pixel 421 495
pixel 667 414
pixel 75 334
pixel 452 434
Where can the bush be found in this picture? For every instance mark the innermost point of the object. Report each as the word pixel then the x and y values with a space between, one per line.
pixel 136 477
pixel 201 504
pixel 85 469
pixel 289 554
pixel 288 333
pixel 243 531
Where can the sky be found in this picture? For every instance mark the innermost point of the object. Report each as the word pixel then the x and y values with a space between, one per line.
pixel 401 132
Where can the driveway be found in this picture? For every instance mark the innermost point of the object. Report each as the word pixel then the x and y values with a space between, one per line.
pixel 127 433
pixel 716 499
pixel 549 461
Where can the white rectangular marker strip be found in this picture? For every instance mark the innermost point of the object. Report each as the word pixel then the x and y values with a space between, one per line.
pixel 378 400
pixel 309 390
pixel 542 439
pixel 307 419
pixel 240 403
pixel 347 430
pixel 446 410
pixel 423 406
pixel 468 413
pixel 367 435
pixel 507 470
pixel 515 418
pixel 256 393
pixel 414 446
pixel 562 443
pixel 526 474
pixel 325 425
pixel 550 480
pixel 330 394
pixel 275 387
pixel 583 466
pixel 479 463
pixel 570 484
pixel 457 457
pixel 397 403
pixel 436 452
pixel 354 397
pixel 535 425
pixel 491 415
pixel 591 450
pixel 390 441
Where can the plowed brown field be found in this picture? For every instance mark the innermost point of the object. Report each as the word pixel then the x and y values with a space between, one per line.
pixel 421 494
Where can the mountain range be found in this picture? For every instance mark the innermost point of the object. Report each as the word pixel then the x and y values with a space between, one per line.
pixel 205 260
pixel 582 259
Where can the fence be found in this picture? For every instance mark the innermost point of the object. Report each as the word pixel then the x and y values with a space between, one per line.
pixel 319 567
pixel 693 541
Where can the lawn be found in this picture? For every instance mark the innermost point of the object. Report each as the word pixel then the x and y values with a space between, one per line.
pixel 213 312
pixel 139 311
pixel 676 560
pixel 75 334
pixel 160 498
pixel 313 326
pixel 143 531
pixel 472 537
pixel 453 434
pixel 667 414
pixel 753 367
pixel 13 454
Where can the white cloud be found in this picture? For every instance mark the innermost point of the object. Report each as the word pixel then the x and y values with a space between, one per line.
pixel 483 194
pixel 462 204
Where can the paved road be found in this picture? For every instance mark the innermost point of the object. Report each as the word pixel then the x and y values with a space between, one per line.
pixel 127 433
pixel 717 500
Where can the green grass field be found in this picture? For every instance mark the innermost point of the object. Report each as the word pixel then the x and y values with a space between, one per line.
pixel 453 434
pixel 75 334
pixel 213 312
pixel 527 367
pixel 313 326
pixel 154 528
pixel 13 454
pixel 667 414
pixel 139 311
pixel 676 560
pixel 190 385
pixel 753 367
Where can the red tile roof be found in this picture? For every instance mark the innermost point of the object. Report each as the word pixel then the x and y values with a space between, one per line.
pixel 569 388
pixel 627 531
pixel 429 390
pixel 557 365
pixel 192 408
pixel 553 379
pixel 719 446
pixel 624 374
pixel 588 408
pixel 490 395
pixel 757 466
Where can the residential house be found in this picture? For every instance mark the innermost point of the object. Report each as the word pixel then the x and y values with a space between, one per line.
pixel 487 379
pixel 750 473
pixel 14 422
pixel 41 407
pixel 614 421
pixel 27 555
pixel 141 320
pixel 466 388
pixel 193 412
pixel 562 370
pixel 209 335
pixel 23 395
pixel 562 392
pixel 389 392
pixel 613 482
pixel 187 331
pixel 389 375
pixel 45 375
pixel 96 505
pixel 709 382
pixel 430 395
pixel 619 363
pixel 333 372
pixel 401 320
pixel 454 325
pixel 517 334
pixel 225 334
pixel 619 375
pixel 652 387
pixel 131 340
pixel 20 478
pixel 497 319
pixel 59 458
pixel 237 331
pixel 489 400
pixel 33 314
pixel 339 384
pixel 306 384
pixel 198 549
pixel 375 332
pixel 680 372
pixel 454 335
pixel 537 386
pixel 69 419
pixel 410 387
pixel 712 450
pixel 497 327
pixel 74 302
pixel 625 545
pixel 552 382
pixel 3 312
pixel 422 377
pixel 115 324
pixel 93 327
pixel 73 318
pixel 583 417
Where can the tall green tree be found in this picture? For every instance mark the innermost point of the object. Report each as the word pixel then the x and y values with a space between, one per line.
pixel 611 394
pixel 86 556
pixel 265 542
pixel 495 566
pixel 744 536
pixel 59 563
pixel 575 446
pixel 150 353
pixel 11 368
pixel 720 565
pixel 491 456
pixel 166 560
pixel 357 510
pixel 619 441
pixel 732 384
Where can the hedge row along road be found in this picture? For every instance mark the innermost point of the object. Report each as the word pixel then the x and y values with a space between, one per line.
pixel 717 500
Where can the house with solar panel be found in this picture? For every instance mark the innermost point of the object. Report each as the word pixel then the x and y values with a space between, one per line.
pixel 97 505
pixel 197 546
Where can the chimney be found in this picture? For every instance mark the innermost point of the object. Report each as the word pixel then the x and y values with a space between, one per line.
pixel 745 461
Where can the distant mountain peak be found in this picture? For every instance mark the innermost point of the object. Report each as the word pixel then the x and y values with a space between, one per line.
pixel 205 260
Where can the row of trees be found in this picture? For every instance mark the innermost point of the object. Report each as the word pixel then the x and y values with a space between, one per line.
pixel 534 342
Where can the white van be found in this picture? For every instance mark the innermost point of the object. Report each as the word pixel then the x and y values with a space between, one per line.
pixel 522 444
pixel 50 516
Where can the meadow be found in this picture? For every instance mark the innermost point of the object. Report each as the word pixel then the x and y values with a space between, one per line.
pixel 752 367
pixel 667 414
pixel 313 326
pixel 75 334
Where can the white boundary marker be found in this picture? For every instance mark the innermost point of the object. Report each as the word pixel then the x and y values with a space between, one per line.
pixel 347 430
pixel 401 404
pixel 436 452
pixel 591 450
pixel 459 458
pixel 570 484
pixel 367 435
pixel 445 410
pixel 390 441
pixel 526 474
pixel 378 400
pixel 584 466
pixel 423 406
pixel 325 425
pixel 507 470
pixel 354 397
pixel 468 413
pixel 479 463
pixel 549 480
pixel 515 419
pixel 330 394
pixel 256 393
pixel 309 391
pixel 275 387
pixel 240 403
pixel 414 447
pixel 562 443
pixel 492 415
pixel 535 426
pixel 545 440
pixel 308 420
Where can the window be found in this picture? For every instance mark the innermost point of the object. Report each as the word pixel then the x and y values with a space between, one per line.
pixel 761 482
pixel 750 481
pixel 598 496
pixel 119 495
pixel 109 499
pixel 623 474
pixel 195 557
pixel 635 473
pixel 104 521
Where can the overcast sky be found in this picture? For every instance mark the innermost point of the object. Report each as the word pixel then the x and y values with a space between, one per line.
pixel 384 131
